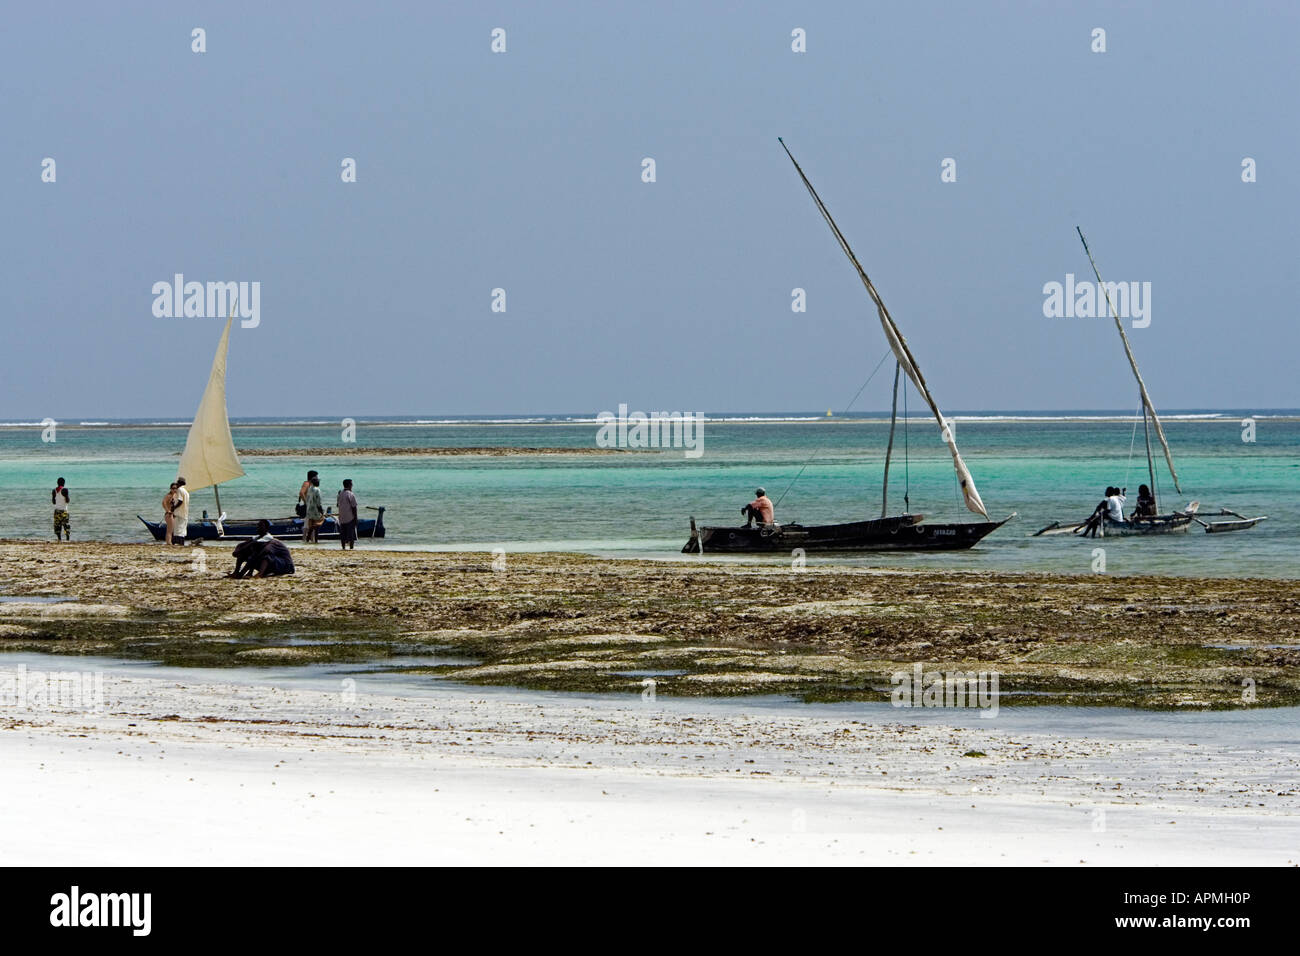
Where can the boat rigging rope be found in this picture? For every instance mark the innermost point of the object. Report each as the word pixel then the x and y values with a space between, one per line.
pixel 907 463
pixel 1139 415
pixel 1131 445
pixel 888 352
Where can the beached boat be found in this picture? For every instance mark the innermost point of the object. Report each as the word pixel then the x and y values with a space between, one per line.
pixel 1174 522
pixel 209 459
pixel 905 532
pixel 289 529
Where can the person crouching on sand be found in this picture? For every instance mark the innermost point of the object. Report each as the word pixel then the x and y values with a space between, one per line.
pixel 59 497
pixel 263 557
pixel 347 516
pixel 315 516
pixel 169 502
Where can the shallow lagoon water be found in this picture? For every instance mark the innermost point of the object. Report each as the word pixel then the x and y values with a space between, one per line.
pixel 637 504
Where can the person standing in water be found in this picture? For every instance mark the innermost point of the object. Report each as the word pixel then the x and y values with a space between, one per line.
pixel 347 515
pixel 59 497
pixel 169 502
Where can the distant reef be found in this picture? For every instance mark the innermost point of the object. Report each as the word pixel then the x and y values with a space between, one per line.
pixel 353 451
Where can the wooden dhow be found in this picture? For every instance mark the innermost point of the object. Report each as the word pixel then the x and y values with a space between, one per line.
pixel 904 532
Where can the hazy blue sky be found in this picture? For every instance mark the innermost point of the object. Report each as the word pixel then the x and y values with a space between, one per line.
pixel 522 170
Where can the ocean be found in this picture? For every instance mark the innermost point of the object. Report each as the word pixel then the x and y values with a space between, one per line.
pixel 1043 466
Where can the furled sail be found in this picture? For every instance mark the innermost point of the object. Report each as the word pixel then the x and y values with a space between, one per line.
pixel 209 457
pixel 901 350
pixel 1147 407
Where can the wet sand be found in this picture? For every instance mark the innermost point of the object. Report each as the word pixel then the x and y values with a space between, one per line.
pixel 200 771
pixel 697 628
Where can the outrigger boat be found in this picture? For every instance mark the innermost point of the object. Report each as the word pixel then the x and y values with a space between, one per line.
pixel 209 458
pixel 1173 522
pixel 905 532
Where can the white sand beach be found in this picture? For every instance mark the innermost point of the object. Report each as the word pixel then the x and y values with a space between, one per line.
pixel 188 768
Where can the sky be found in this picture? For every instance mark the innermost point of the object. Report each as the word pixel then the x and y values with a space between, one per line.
pixel 522 170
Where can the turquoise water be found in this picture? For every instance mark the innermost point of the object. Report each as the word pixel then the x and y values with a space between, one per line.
pixel 637 504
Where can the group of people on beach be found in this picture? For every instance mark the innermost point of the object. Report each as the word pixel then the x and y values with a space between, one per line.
pixel 1111 507
pixel 312 512
pixel 270 556
pixel 176 511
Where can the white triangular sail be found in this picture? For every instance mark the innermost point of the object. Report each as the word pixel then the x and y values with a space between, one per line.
pixel 209 457
pixel 901 352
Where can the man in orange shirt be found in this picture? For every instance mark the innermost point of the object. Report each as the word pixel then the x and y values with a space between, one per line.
pixel 760 508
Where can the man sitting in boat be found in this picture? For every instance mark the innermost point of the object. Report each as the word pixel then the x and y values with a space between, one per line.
pixel 1115 498
pixel 1146 504
pixel 760 508
pixel 263 557
pixel 1093 524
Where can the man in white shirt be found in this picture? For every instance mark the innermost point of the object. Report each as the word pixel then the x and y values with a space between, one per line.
pixel 181 512
pixel 1115 504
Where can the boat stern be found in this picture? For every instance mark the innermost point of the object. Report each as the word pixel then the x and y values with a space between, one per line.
pixel 695 543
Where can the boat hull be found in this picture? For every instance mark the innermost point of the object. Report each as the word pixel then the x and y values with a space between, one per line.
pixel 286 529
pixel 1160 524
pixel 900 533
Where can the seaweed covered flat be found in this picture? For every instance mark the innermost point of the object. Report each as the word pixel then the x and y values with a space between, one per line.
pixel 573 622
